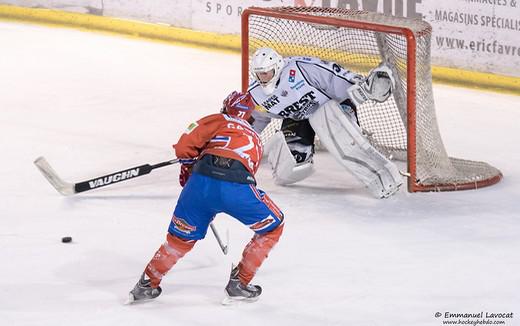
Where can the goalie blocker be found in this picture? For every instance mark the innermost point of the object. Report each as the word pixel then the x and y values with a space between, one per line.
pixel 342 137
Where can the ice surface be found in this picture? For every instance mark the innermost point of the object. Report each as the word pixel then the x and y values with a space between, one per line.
pixel 94 104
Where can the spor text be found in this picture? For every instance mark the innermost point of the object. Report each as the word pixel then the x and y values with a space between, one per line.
pixel 223 9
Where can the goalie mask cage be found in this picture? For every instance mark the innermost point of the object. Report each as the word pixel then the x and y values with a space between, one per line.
pixel 404 128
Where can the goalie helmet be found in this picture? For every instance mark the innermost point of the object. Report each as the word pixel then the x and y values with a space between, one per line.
pixel 265 60
pixel 238 104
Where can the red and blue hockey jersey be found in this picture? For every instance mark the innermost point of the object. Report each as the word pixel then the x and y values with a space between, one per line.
pixel 221 135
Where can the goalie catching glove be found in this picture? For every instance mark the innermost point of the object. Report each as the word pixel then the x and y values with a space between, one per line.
pixel 376 87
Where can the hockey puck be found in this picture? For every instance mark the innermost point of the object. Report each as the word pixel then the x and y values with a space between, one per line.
pixel 66 239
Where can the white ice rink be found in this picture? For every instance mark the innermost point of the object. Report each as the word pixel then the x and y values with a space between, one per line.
pixel 94 104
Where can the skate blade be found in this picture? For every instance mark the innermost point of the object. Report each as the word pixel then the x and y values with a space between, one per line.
pixel 130 300
pixel 234 301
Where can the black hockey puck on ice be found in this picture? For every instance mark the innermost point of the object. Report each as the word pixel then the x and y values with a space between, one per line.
pixel 66 239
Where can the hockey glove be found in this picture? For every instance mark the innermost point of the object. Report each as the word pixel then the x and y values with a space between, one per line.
pixel 377 86
pixel 185 173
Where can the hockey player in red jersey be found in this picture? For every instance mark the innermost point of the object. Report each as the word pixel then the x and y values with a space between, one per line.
pixel 220 155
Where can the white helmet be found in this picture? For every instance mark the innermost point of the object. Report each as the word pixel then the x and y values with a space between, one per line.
pixel 264 60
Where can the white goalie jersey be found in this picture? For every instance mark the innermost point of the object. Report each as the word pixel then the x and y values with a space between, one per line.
pixel 305 84
pixel 312 89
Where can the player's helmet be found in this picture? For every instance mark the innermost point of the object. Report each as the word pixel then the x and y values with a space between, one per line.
pixel 265 60
pixel 238 104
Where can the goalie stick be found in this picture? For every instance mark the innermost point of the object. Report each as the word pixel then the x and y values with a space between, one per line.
pixel 66 188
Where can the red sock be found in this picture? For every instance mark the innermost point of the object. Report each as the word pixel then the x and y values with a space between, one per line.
pixel 256 252
pixel 166 256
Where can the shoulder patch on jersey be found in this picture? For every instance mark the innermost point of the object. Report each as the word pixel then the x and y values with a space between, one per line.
pixel 190 128
pixel 292 75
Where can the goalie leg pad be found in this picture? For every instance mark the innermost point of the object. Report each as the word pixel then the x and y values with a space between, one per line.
pixel 344 140
pixel 285 168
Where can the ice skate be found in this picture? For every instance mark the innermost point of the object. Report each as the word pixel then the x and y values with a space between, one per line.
pixel 238 292
pixel 143 291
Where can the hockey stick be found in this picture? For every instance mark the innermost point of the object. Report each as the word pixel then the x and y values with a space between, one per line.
pixel 66 188
pixel 223 246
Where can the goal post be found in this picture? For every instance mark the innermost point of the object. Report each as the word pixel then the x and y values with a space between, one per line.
pixel 404 128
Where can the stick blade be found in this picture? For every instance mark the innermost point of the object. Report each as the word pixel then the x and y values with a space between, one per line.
pixel 64 188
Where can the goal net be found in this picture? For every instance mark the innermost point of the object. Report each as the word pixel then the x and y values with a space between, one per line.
pixel 404 128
